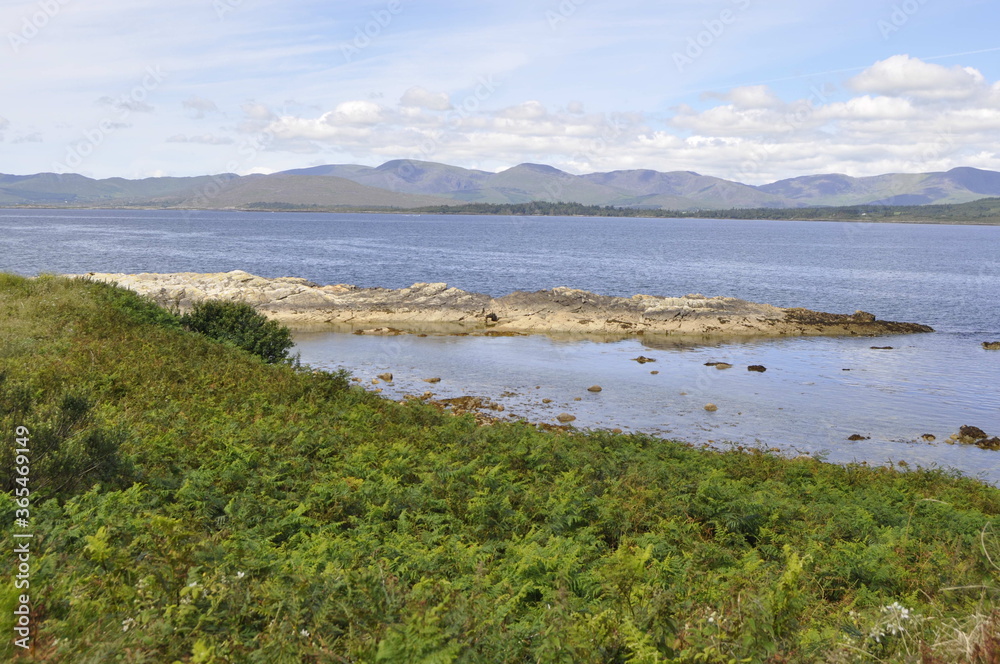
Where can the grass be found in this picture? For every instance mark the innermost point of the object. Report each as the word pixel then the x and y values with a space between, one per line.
pixel 192 503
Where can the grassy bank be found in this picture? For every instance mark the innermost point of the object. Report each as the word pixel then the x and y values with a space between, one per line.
pixel 191 503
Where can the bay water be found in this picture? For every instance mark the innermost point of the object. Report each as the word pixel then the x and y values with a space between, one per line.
pixel 816 393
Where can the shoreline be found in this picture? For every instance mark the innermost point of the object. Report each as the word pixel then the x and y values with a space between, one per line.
pixel 416 212
pixel 436 308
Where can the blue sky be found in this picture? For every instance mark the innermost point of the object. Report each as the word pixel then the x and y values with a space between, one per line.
pixel 753 90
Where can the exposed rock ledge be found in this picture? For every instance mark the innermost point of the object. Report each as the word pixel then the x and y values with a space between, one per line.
pixel 299 303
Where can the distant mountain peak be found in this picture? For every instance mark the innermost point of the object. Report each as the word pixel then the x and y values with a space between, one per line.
pixel 539 168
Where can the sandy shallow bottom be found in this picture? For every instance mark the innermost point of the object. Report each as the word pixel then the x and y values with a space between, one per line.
pixel 805 403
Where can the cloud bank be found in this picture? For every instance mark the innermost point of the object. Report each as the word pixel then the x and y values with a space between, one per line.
pixel 901 114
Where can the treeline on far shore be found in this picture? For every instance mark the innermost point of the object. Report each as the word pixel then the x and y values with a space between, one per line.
pixel 984 211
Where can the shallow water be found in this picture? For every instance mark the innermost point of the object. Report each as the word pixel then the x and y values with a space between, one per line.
pixel 944 276
pixel 805 403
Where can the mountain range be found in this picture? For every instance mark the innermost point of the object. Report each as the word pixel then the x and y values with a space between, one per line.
pixel 404 184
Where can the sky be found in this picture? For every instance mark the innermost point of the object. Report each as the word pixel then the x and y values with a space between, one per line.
pixel 749 90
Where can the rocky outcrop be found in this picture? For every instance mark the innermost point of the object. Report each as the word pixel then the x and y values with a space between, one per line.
pixel 970 435
pixel 436 307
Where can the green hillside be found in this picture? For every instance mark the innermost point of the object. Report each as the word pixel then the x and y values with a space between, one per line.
pixel 403 183
pixel 190 503
pixel 302 191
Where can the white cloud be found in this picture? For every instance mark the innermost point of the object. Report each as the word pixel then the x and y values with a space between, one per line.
pixel 420 97
pixel 869 108
pixel 749 96
pixel 903 76
pixel 355 113
pixel 34 137
pixel 753 137
pixel 199 106
pixel 204 139
pixel 126 105
pixel 529 110
pixel 731 120
pixel 256 111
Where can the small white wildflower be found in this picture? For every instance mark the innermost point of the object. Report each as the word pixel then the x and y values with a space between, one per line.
pixel 127 623
pixel 240 575
pixel 304 632
pixel 193 584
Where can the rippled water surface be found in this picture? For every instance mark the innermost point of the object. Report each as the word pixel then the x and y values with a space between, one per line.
pixel 945 276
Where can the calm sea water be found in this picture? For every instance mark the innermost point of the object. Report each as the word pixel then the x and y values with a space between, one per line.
pixel 945 276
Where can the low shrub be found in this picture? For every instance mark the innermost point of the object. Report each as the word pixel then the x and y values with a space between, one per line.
pixel 239 324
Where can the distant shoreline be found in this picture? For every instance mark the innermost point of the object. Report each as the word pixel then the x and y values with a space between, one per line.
pixel 947 214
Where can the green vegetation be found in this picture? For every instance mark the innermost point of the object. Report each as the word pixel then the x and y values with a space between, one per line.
pixel 193 503
pixel 985 211
pixel 242 326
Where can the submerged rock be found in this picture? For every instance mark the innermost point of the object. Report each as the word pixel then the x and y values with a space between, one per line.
pixel 989 443
pixel 642 359
pixel 381 331
pixel 759 368
pixel 594 388
pixel 857 436
pixel 711 407
pixel 991 345
pixel 565 417
pixel 970 435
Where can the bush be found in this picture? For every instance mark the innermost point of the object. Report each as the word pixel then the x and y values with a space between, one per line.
pixel 240 325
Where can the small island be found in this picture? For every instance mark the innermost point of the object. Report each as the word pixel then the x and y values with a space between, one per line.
pixel 436 307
